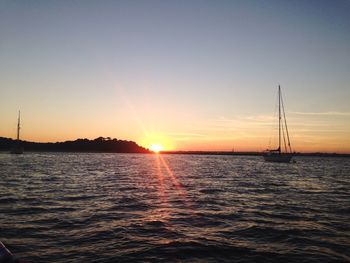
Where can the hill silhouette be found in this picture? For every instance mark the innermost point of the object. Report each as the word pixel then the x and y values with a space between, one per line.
pixel 99 144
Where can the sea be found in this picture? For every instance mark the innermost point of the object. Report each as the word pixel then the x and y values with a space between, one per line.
pixel 96 207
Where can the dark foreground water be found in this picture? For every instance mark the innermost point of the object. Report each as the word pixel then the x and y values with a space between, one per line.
pixel 59 207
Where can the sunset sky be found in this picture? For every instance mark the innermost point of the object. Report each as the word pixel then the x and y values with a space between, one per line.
pixel 189 75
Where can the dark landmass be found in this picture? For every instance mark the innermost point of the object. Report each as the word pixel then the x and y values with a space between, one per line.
pixel 80 145
pixel 108 145
pixel 317 154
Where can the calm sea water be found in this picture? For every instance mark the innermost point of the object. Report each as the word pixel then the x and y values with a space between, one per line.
pixel 59 207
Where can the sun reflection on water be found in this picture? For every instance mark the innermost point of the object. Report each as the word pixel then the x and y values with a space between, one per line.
pixel 162 163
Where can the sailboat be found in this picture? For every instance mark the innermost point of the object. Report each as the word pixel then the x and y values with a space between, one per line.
pixel 283 154
pixel 17 148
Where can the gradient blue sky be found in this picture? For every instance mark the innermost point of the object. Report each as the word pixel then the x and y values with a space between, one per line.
pixel 199 75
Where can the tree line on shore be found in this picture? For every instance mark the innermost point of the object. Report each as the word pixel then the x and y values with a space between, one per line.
pixel 99 144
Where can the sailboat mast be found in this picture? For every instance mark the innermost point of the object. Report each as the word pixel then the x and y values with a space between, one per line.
pixel 18 124
pixel 285 124
pixel 279 118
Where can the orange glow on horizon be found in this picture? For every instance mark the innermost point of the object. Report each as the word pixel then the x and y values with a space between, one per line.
pixel 249 139
pixel 156 142
pixel 156 148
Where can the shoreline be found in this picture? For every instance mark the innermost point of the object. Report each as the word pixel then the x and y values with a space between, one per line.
pixel 217 153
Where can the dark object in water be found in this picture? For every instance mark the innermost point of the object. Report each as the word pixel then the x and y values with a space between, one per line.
pixel 277 157
pixel 5 255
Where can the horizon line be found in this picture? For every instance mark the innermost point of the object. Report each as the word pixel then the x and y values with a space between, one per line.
pixel 228 152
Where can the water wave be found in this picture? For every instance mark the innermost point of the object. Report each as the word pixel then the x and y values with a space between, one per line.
pixel 176 208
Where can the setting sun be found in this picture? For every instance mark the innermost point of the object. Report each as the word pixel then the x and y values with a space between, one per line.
pixel 156 148
pixel 156 142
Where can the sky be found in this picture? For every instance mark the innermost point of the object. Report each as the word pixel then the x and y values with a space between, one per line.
pixel 189 75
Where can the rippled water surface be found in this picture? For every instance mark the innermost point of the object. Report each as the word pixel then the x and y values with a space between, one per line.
pixel 59 207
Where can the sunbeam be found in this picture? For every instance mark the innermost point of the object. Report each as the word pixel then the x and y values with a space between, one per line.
pixel 175 182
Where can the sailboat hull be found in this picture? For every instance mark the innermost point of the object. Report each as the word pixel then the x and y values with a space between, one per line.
pixel 278 157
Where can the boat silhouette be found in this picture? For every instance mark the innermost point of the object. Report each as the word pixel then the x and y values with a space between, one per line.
pixel 282 154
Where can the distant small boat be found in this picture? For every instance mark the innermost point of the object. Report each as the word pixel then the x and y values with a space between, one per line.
pixel 17 148
pixel 280 155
